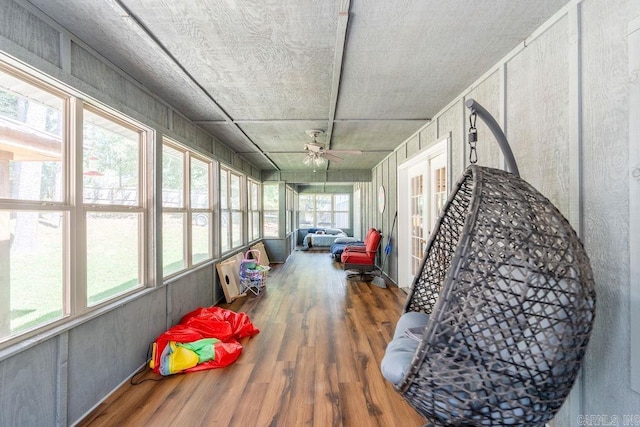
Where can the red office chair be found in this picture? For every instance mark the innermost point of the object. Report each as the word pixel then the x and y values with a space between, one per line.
pixel 362 259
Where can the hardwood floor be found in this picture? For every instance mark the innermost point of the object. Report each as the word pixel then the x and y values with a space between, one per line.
pixel 315 362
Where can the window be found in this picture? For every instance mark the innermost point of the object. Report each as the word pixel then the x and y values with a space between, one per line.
pixel 34 207
pixel 114 214
pixel 186 220
pixel 67 242
pixel 290 208
pixel 173 210
pixel 254 209
pixel 341 210
pixel 271 209
pixel 324 210
pixel 201 209
pixel 232 215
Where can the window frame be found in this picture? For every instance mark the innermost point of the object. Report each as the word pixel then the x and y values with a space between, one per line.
pixel 187 211
pixel 228 208
pixel 73 210
pixel 141 207
pixel 290 209
pixel 254 209
pixel 331 211
pixel 265 211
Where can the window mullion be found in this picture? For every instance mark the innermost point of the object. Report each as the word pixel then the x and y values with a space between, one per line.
pixel 143 204
pixel 77 274
pixel 187 210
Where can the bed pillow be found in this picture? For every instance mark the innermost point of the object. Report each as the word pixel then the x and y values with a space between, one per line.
pixel 345 240
pixel 333 231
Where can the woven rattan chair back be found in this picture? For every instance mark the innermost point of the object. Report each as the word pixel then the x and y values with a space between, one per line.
pixel 511 299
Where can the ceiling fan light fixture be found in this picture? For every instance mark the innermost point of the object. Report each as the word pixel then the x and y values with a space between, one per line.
pixel 308 160
pixel 318 161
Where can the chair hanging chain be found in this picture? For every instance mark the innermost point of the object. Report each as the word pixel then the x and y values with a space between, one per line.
pixel 473 138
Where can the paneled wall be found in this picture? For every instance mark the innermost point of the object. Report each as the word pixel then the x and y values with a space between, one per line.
pixel 562 97
pixel 56 378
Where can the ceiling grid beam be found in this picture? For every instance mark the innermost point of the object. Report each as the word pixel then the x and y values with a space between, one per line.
pixel 341 41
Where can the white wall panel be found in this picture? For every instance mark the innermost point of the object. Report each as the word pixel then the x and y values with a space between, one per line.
pixel 28 387
pixel 538 112
pixel 452 121
pixel 191 292
pixel 29 32
pixel 106 350
pixel 91 70
pixel 606 198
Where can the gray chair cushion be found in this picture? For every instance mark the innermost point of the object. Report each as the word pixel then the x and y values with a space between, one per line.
pixel 400 350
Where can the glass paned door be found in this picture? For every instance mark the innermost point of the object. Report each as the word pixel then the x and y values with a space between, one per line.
pixel 422 192
pixel 417 221
pixel 427 197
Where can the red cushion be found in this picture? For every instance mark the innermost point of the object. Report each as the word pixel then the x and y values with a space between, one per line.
pixel 372 243
pixel 360 255
pixel 358 258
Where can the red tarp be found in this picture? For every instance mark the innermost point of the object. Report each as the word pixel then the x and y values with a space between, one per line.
pixel 210 322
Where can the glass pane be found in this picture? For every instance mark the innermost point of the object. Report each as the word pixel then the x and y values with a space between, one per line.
pixel 253 199
pixel 235 192
pixel 341 202
pixel 324 219
pixel 200 237
pixel 31 123
pixel 417 228
pixel 236 229
pixel 110 162
pixel 323 202
pixel 255 223
pixel 113 254
pixel 306 219
pixel 271 224
pixel 289 199
pixel 288 221
pixel 440 195
pixel 199 184
pixel 270 197
pixel 306 202
pixel 341 219
pixel 225 232
pixel 224 186
pixel 172 243
pixel 172 177
pixel 31 270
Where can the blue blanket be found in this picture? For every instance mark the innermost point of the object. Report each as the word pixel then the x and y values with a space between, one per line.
pixel 338 247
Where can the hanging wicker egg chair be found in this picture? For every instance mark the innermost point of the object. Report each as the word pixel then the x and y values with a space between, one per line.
pixel 505 303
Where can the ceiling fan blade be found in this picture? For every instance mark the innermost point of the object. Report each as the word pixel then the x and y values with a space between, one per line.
pixel 287 152
pixel 331 157
pixel 343 151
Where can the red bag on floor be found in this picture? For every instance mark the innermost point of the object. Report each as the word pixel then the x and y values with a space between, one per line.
pixel 169 357
pixel 207 317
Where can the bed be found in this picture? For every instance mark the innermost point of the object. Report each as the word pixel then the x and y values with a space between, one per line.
pixel 322 238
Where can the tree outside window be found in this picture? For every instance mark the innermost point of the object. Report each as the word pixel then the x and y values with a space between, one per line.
pixel 324 210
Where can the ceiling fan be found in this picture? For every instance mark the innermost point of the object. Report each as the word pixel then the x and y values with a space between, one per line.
pixel 316 153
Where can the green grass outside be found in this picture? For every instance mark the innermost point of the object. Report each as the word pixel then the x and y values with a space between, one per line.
pixel 35 294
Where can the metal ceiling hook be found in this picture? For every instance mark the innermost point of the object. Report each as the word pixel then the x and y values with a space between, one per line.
pixel 491 123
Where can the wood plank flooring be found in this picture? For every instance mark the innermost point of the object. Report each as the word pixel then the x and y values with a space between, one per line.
pixel 315 362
